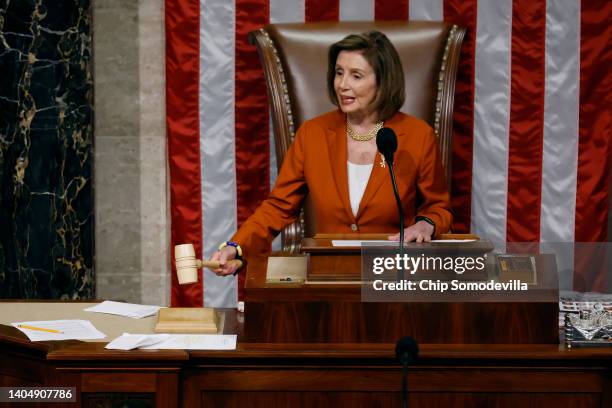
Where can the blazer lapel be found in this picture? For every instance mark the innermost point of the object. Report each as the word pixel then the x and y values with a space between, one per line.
pixel 377 178
pixel 338 156
pixel 379 174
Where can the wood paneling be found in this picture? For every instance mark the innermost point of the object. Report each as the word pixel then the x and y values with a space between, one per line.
pixel 388 379
pixel 335 312
pixel 119 382
pixel 327 321
pixel 379 399
pixel 320 375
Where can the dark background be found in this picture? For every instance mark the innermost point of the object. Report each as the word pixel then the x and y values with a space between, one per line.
pixel 46 150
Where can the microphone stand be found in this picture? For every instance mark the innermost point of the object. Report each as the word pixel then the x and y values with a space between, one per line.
pixel 406 351
pixel 404 383
pixel 400 210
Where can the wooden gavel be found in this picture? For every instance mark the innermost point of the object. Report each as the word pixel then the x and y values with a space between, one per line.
pixel 187 264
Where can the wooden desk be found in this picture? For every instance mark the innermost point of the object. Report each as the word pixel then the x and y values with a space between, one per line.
pixel 332 312
pixel 311 374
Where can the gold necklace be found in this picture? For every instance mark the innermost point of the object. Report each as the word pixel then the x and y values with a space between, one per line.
pixel 363 138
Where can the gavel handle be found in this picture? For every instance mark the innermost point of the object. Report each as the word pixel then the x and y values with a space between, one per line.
pixel 216 264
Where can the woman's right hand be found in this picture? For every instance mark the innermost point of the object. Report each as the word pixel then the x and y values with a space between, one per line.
pixel 223 256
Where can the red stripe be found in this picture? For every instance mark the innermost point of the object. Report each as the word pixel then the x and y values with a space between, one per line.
pixel 463 13
pixel 251 110
pixel 391 10
pixel 526 121
pixel 322 10
pixel 591 265
pixel 594 127
pixel 182 78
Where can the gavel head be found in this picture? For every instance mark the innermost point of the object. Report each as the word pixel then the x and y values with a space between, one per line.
pixel 186 264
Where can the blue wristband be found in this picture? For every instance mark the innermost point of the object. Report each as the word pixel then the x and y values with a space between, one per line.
pixel 232 244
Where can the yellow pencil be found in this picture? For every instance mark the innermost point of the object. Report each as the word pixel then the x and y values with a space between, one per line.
pixel 24 326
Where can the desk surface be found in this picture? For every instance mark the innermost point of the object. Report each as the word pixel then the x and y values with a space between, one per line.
pixel 297 374
pixel 114 326
pixel 111 325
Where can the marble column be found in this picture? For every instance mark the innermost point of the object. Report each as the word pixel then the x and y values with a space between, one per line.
pixel 130 200
pixel 155 198
pixel 46 135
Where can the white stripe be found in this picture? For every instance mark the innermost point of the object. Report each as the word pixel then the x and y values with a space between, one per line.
pixel 563 253
pixel 561 104
pixel 217 32
pixel 287 11
pixel 491 116
pixel 426 10
pixel 356 10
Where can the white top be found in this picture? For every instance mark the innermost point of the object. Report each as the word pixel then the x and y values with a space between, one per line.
pixel 358 176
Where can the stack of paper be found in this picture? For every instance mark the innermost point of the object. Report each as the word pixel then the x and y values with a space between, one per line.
pixel 197 342
pixel 173 342
pixel 378 242
pixel 124 309
pixel 59 330
pixel 129 341
pixel 358 242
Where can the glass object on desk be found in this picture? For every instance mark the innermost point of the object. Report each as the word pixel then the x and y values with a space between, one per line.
pixel 586 323
pixel 605 320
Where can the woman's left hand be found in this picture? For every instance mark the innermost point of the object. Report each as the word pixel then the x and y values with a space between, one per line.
pixel 421 231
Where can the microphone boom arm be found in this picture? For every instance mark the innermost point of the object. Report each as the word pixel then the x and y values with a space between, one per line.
pixel 400 209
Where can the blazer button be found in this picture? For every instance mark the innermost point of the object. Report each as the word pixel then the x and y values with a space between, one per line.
pixel 354 227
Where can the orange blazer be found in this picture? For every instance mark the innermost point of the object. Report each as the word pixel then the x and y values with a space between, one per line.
pixel 316 164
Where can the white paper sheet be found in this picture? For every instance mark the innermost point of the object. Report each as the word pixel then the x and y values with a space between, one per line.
pixel 197 342
pixel 133 310
pixel 129 341
pixel 67 330
pixel 453 240
pixel 359 243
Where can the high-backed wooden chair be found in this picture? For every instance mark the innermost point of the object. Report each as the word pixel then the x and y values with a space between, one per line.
pixel 294 59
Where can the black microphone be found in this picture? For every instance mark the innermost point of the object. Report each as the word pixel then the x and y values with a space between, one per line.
pixel 386 142
pixel 406 351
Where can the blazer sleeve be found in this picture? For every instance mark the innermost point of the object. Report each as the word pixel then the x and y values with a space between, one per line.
pixel 431 184
pixel 282 206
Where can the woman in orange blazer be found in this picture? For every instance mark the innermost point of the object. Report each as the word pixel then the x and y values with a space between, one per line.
pixel 365 80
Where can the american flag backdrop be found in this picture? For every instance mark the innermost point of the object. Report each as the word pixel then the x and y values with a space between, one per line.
pixel 532 123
